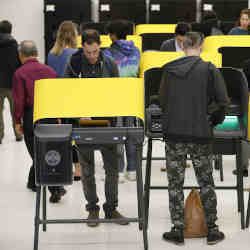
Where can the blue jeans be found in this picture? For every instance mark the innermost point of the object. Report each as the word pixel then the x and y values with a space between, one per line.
pixel 130 150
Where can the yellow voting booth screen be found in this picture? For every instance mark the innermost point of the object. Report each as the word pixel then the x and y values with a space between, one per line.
pixel 88 97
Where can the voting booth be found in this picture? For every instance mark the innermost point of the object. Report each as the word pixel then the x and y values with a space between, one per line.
pixel 75 98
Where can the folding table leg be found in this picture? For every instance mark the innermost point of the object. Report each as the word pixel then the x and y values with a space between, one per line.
pixel 239 167
pixel 141 209
pixel 248 211
pixel 44 209
pixel 37 217
pixel 147 180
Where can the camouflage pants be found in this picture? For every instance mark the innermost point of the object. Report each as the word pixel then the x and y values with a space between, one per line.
pixel 202 162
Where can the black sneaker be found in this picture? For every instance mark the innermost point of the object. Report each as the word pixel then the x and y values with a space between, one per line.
pixel 31 187
pixel 19 138
pixel 245 172
pixel 55 197
pixel 176 236
pixel 62 191
pixel 214 236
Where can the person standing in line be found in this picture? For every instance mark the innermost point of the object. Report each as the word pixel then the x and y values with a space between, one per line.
pixel 64 47
pixel 9 62
pixel 23 95
pixel 91 62
pixel 193 98
pixel 127 57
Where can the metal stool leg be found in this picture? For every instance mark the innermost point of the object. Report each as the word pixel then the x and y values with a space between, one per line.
pixel 147 180
pixel 37 217
pixel 248 211
pixel 141 209
pixel 239 167
pixel 44 209
pixel 220 165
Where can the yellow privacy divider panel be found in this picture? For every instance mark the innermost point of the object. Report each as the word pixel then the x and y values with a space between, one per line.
pixel 215 58
pixel 106 42
pixel 154 28
pixel 213 43
pixel 151 59
pixel 88 97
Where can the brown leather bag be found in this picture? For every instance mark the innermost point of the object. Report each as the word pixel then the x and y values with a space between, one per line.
pixel 194 218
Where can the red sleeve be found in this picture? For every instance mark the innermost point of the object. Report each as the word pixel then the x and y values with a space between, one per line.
pixel 18 93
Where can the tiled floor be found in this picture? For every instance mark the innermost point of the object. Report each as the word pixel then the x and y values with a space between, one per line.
pixel 17 209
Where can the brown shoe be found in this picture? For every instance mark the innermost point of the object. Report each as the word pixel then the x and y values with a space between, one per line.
pixel 116 215
pixel 93 215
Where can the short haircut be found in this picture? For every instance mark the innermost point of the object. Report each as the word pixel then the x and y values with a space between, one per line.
pixel 119 28
pixel 192 40
pixel 90 36
pixel 5 27
pixel 182 28
pixel 28 48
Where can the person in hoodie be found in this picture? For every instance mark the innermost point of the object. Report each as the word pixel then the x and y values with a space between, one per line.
pixel 9 62
pixel 91 62
pixel 193 98
pixel 127 57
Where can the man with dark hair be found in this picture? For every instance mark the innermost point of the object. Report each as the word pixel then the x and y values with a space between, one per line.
pixel 193 98
pixel 120 28
pixel 174 44
pixel 90 62
pixel 9 63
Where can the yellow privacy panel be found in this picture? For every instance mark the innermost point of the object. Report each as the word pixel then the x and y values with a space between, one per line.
pixel 154 28
pixel 214 58
pixel 213 43
pixel 151 59
pixel 106 42
pixel 88 97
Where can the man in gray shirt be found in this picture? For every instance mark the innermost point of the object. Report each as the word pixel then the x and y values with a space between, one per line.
pixel 174 44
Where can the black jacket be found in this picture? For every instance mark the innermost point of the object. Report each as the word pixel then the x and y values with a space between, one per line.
pixel 168 45
pixel 78 66
pixel 9 61
pixel 193 97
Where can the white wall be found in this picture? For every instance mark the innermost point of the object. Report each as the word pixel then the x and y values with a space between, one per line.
pixel 27 19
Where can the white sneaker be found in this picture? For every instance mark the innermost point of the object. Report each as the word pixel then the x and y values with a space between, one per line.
pixel 131 176
pixel 121 178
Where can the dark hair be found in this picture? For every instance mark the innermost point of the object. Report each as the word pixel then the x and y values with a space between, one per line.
pixel 5 27
pixel 242 12
pixel 91 36
pixel 192 40
pixel 182 28
pixel 120 28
